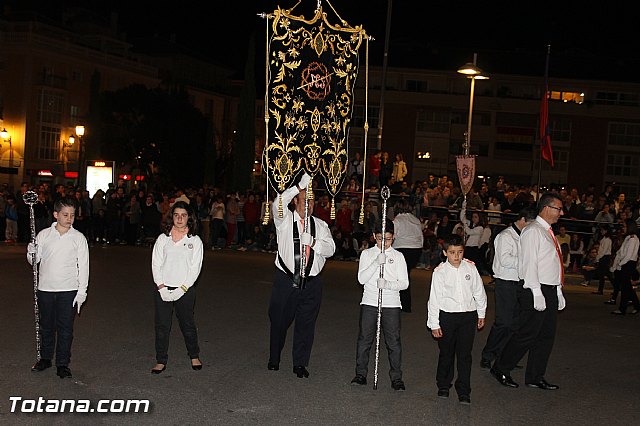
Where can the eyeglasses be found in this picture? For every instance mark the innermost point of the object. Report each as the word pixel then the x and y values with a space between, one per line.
pixel 555 208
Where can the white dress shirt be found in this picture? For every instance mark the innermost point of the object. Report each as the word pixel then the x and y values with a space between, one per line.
pixel 395 273
pixel 64 260
pixel 604 248
pixel 507 248
pixel 455 290
pixel 176 264
pixel 323 247
pixel 473 234
pixel 628 252
pixel 407 231
pixel 539 262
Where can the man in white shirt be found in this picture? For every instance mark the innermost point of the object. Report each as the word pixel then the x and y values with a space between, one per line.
pixel 294 295
pixel 540 266
pixel 409 241
pixel 505 274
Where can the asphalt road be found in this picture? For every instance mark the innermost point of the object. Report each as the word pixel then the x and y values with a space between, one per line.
pixel 595 358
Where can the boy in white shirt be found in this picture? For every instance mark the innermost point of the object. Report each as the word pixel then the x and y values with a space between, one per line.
pixel 395 278
pixel 457 305
pixel 63 254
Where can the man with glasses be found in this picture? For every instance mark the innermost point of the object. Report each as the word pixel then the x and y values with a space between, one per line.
pixel 540 297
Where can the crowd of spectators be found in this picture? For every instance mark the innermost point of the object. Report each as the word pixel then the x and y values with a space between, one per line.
pixel 133 216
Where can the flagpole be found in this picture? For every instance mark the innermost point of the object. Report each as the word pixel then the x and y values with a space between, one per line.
pixel 545 93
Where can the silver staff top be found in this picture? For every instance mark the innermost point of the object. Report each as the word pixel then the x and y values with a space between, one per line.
pixel 30 198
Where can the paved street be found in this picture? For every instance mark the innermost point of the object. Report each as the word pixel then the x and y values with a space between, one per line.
pixel 595 358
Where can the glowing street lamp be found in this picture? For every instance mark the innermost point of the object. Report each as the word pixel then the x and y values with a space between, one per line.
pixel 474 73
pixel 81 168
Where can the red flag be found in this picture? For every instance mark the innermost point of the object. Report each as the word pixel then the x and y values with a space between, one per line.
pixel 545 133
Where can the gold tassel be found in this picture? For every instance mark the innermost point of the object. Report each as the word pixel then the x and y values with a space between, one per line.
pixel 280 211
pixel 333 209
pixel 361 219
pixel 267 215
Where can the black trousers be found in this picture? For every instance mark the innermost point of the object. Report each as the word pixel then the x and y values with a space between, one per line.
pixel 506 294
pixel 163 319
pixel 603 271
pixel 456 343
pixel 411 257
pixel 535 333
pixel 390 328
pixel 627 295
pixel 56 324
pixel 288 304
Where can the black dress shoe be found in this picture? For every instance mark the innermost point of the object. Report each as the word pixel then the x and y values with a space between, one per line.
pixel 503 379
pixel 273 366
pixel 359 380
pixel 464 399
pixel 42 364
pixel 160 370
pixel 64 372
pixel 542 384
pixel 398 385
pixel 443 393
pixel 610 302
pixel 485 364
pixel 300 371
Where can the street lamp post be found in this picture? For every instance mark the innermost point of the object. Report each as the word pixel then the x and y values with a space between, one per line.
pixel 7 137
pixel 474 73
pixel 80 134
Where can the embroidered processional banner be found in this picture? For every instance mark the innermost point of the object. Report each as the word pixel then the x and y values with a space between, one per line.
pixel 466 165
pixel 312 70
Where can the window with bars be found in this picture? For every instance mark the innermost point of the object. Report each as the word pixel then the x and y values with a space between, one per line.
pixel 624 134
pixel 50 120
pixel 433 121
pixel 49 146
pixel 622 165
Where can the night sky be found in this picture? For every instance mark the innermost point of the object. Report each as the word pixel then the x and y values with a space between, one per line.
pixel 220 29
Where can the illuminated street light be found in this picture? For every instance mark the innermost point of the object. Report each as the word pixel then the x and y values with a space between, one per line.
pixel 7 137
pixel 81 150
pixel 474 73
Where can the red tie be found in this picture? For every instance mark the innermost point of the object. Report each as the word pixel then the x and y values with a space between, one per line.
pixel 555 241
pixel 308 248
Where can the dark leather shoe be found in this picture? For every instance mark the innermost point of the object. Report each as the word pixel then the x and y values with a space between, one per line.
pixel 300 371
pixel 610 302
pixel 64 372
pixel 158 371
pixel 42 364
pixel 485 364
pixel 196 366
pixel 443 393
pixel 542 384
pixel 503 379
pixel 464 399
pixel 273 366
pixel 398 385
pixel 359 380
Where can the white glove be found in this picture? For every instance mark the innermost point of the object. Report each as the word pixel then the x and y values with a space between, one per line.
pixel 561 302
pixel 304 181
pixel 165 294
pixel 539 303
pixel 382 259
pixel 79 300
pixel 382 283
pixel 306 239
pixel 464 204
pixel 32 249
pixel 177 294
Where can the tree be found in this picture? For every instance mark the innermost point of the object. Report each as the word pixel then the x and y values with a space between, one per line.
pixel 244 149
pixel 157 131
